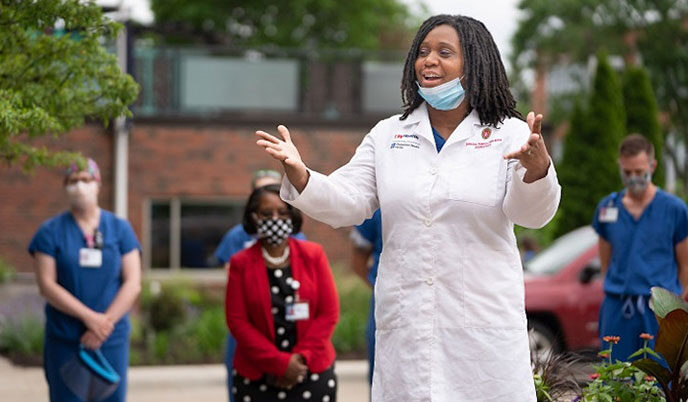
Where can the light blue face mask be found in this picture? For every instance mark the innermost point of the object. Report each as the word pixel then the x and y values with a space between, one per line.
pixel 447 96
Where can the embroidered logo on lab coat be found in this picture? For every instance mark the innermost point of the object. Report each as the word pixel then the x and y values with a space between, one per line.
pixel 402 141
pixel 484 141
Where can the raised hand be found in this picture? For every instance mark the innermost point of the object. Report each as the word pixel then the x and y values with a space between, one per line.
pixel 533 154
pixel 285 151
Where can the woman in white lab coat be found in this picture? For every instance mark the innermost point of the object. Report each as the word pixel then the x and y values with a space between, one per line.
pixel 452 174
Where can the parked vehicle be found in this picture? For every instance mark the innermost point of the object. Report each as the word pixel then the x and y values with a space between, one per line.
pixel 563 288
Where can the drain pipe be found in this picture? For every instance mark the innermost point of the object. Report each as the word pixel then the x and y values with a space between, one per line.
pixel 121 132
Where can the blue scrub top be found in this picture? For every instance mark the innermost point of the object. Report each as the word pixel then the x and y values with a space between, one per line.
pixel 235 240
pixel 643 250
pixel 61 238
pixel 439 141
pixel 371 230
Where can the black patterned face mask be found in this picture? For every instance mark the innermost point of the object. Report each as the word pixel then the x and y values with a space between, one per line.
pixel 274 230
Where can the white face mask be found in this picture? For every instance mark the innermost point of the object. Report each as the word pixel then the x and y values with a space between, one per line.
pixel 82 195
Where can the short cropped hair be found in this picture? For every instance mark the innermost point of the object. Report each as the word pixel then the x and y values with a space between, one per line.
pixel 252 207
pixel 635 144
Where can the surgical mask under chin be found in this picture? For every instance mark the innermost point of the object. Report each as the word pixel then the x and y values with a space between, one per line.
pixel 274 230
pixel 82 195
pixel 636 184
pixel 447 96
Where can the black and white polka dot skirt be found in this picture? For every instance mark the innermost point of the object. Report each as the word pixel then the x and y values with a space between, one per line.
pixel 317 387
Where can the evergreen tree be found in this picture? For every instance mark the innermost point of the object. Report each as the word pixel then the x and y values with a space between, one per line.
pixel 642 115
pixel 589 168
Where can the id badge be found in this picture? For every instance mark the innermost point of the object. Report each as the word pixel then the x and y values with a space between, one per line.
pixel 90 257
pixel 609 214
pixel 297 311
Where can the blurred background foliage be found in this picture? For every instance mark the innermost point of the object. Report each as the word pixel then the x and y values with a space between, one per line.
pixel 651 35
pixel 55 73
pixel 181 321
pixel 305 24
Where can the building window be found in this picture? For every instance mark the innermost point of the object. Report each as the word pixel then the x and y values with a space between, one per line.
pixel 185 233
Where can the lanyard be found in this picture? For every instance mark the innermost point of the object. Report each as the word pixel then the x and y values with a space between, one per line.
pixel 95 240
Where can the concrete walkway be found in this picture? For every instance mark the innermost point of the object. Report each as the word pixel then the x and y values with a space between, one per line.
pixel 170 383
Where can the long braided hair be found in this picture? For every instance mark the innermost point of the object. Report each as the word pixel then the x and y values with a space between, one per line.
pixel 487 88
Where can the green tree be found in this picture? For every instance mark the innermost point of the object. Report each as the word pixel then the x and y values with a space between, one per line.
pixel 51 79
pixel 642 114
pixel 589 169
pixel 571 31
pixel 289 23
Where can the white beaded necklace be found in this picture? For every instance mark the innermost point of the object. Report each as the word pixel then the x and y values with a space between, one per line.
pixel 276 261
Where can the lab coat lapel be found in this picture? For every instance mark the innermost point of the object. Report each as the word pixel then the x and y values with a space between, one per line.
pixel 465 129
pixel 418 123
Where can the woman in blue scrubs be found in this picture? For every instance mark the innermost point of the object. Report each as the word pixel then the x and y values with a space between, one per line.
pixel 88 268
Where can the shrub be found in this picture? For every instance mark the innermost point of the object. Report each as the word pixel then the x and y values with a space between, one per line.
pixel 6 271
pixel 21 339
pixel 210 332
pixel 166 311
pixel 354 303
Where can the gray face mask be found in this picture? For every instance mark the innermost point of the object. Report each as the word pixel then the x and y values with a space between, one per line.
pixel 636 184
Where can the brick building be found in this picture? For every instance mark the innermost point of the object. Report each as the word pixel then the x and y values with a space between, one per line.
pixel 200 171
pixel 191 148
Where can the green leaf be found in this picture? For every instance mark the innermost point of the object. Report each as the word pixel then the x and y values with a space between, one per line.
pixel 663 301
pixel 654 369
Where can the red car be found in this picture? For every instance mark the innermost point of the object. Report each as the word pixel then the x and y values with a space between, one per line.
pixel 563 294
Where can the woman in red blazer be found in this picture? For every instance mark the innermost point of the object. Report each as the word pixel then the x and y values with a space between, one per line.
pixel 282 307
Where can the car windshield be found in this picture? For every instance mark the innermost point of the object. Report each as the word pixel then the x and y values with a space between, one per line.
pixel 564 250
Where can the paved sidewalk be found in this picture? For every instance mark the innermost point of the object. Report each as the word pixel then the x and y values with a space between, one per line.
pixel 170 383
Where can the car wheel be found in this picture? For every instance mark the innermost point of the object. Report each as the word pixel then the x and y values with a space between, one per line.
pixel 543 341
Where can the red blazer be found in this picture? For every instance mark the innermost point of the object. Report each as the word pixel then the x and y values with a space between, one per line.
pixel 248 304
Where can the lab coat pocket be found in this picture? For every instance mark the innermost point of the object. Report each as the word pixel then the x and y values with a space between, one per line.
pixel 388 290
pixel 493 288
pixel 475 177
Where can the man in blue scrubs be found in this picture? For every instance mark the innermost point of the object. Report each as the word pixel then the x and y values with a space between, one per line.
pixel 367 240
pixel 643 243
pixel 235 240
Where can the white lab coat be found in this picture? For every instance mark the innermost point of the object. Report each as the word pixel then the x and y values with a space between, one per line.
pixel 449 310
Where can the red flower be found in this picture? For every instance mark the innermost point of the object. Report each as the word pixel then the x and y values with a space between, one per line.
pixel 649 378
pixel 611 339
pixel 647 337
pixel 594 376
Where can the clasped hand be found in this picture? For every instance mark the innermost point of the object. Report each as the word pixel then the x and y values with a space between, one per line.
pixel 99 329
pixel 296 373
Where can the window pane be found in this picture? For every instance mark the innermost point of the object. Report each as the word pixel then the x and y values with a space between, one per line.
pixel 233 83
pixel 381 87
pixel 160 234
pixel 202 228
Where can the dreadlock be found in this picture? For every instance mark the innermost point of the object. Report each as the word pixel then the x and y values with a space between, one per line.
pixel 487 88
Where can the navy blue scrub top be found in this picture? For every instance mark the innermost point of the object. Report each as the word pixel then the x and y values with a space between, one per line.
pixel 439 141
pixel 643 250
pixel 61 238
